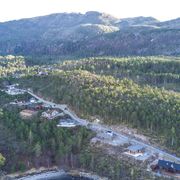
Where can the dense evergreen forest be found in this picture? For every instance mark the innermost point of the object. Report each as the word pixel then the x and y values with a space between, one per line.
pixel 156 71
pixel 129 91
pixel 11 64
pixel 39 139
pixel 117 89
pixel 36 142
pixel 117 101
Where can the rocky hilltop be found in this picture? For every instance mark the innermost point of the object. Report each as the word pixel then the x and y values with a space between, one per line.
pixel 90 34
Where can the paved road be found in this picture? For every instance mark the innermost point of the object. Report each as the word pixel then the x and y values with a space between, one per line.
pixel 102 128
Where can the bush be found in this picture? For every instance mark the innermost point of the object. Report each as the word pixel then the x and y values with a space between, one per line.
pixel 2 160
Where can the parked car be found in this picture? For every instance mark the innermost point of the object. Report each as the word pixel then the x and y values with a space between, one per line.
pixel 110 133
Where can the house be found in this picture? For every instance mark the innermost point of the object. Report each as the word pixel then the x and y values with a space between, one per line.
pixel 51 114
pixel 19 103
pixel 33 100
pixel 67 123
pixel 26 114
pixel 42 73
pixel 136 149
pixel 14 91
pixel 12 86
pixel 169 166
pixel 110 133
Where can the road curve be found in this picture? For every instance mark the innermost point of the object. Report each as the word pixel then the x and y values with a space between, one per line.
pixel 99 127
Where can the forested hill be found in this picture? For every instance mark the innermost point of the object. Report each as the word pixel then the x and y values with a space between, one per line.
pixel 118 91
pixel 157 71
pixel 89 34
pixel 152 110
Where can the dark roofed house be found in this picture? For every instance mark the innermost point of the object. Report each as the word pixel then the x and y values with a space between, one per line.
pixel 169 166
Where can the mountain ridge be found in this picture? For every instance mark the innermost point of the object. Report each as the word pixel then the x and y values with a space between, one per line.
pixel 70 33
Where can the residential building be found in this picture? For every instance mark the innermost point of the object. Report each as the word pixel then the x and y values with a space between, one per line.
pixel 33 100
pixel 51 114
pixel 67 123
pixel 135 149
pixel 14 91
pixel 169 166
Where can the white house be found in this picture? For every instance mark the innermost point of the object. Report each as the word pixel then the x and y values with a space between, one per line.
pixel 14 91
pixel 33 100
pixel 67 123
pixel 51 114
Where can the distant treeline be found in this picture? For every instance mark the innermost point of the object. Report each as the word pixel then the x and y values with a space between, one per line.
pixel 156 71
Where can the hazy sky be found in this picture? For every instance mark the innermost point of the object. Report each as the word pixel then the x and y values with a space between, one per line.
pixel 160 9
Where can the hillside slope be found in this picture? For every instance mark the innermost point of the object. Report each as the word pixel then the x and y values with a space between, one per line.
pixel 89 34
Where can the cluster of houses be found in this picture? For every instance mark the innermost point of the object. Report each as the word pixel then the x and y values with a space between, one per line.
pixel 161 165
pixel 52 114
pixel 32 101
pixel 49 114
pixel 13 90
pixel 31 108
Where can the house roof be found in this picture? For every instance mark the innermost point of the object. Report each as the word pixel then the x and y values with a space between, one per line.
pixel 135 147
pixel 69 120
pixel 169 165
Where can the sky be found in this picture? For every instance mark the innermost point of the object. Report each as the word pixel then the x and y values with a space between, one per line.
pixel 160 9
